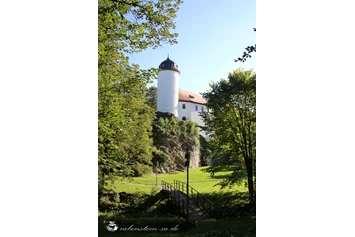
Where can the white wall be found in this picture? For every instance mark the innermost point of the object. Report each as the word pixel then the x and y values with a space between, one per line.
pixel 195 116
pixel 198 119
pixel 168 91
pixel 191 114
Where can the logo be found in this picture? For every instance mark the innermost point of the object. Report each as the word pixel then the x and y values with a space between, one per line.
pixel 111 226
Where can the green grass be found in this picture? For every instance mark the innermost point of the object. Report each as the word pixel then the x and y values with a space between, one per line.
pixel 226 203
pixel 198 179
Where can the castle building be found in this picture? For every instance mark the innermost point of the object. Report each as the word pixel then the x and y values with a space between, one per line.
pixel 183 104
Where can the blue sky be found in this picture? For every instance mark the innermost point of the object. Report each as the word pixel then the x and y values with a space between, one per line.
pixel 211 35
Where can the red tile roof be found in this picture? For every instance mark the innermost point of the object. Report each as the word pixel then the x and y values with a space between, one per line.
pixel 190 97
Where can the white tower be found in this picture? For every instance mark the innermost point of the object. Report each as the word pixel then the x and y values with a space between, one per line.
pixel 168 87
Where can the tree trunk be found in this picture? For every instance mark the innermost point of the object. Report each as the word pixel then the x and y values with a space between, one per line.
pixel 251 190
pixel 254 207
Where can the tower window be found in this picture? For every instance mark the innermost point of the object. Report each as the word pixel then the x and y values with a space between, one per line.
pixel 184 118
pixel 196 107
pixel 183 106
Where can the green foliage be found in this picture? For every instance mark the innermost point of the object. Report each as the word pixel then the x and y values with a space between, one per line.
pixel 124 125
pixel 171 138
pixel 152 97
pixel 136 25
pixel 108 200
pixel 135 201
pixel 205 152
pixel 139 204
pixel 140 169
pixel 142 205
pixel 230 204
pixel 154 190
pixel 122 203
pixel 124 116
pixel 231 122
pixel 160 157
pixel 188 134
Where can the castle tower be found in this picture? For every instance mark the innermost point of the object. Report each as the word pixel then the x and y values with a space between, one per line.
pixel 168 87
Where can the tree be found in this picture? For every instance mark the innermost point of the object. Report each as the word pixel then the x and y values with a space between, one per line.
pixel 231 122
pixel 152 97
pixel 134 25
pixel 246 54
pixel 124 117
pixel 172 138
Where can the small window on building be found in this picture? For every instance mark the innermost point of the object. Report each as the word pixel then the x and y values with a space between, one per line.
pixel 184 118
pixel 196 107
pixel 183 106
pixel 202 109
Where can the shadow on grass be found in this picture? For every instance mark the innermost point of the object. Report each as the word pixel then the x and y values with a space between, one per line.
pixel 230 204
pixel 234 215
pixel 231 210
pixel 245 226
pixel 157 205
pixel 221 176
pixel 217 172
pixel 129 226
pixel 218 169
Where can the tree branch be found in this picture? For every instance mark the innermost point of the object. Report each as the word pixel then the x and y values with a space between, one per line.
pixel 249 49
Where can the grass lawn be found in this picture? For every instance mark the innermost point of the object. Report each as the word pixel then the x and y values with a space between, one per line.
pixel 225 201
pixel 200 180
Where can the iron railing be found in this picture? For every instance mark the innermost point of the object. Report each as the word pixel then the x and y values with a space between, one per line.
pixel 177 197
pixel 195 196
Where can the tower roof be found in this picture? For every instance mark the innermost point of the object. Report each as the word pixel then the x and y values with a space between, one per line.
pixel 169 65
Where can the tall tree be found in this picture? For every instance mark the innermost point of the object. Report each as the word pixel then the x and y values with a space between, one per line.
pixel 231 122
pixel 152 96
pixel 124 118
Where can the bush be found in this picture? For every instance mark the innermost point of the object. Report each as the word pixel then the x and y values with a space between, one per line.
pixel 139 205
pixel 108 200
pixel 141 169
pixel 231 204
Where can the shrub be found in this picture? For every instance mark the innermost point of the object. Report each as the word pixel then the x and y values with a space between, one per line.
pixel 141 169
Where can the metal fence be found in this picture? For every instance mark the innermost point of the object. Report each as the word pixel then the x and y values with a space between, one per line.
pixel 194 195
